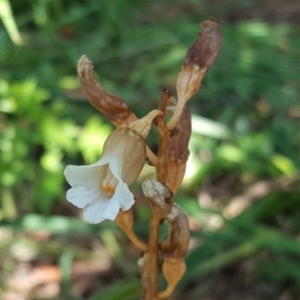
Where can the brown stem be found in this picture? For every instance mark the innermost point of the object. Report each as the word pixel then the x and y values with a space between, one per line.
pixel 164 135
pixel 151 267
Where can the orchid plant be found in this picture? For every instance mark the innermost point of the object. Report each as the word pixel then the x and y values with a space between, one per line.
pixel 102 189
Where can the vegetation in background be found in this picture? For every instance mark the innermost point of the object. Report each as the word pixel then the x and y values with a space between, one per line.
pixel 242 186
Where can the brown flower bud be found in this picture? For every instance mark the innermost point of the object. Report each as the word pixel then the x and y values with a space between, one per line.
pixel 177 240
pixel 160 197
pixel 111 106
pixel 178 151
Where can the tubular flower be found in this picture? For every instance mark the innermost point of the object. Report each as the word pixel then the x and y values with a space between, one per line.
pixel 101 189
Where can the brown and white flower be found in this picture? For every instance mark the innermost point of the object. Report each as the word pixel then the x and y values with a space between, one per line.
pixel 101 189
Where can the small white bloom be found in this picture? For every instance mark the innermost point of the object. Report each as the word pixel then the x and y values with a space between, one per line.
pixel 101 189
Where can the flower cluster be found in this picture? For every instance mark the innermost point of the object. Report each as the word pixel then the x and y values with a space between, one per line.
pixel 101 189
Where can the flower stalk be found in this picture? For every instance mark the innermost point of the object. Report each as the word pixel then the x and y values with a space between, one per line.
pixel 125 221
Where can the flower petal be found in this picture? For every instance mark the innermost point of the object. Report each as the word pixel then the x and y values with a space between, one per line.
pixel 84 175
pixel 91 216
pixel 124 196
pixel 115 167
pixel 112 209
pixel 82 196
pixel 127 151
pixel 94 213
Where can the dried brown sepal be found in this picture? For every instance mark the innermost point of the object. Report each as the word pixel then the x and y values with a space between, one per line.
pixel 178 151
pixel 159 196
pixel 111 106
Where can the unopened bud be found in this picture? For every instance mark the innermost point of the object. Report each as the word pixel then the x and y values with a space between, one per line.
pixel 160 197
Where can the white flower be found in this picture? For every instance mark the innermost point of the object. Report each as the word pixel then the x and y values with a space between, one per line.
pixel 101 189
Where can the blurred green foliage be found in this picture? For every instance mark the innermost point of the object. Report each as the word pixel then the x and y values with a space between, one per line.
pixel 249 129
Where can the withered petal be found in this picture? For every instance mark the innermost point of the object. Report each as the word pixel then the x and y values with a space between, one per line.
pixel 204 52
pixel 113 107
